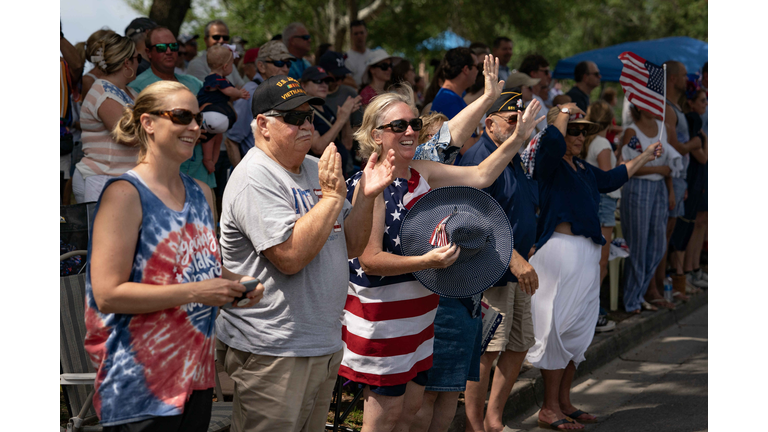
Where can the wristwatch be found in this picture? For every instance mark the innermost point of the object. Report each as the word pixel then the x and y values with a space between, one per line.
pixel 565 110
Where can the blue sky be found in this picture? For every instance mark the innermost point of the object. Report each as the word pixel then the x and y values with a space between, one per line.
pixel 80 18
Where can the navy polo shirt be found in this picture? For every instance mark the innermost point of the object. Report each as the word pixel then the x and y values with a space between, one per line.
pixel 516 193
pixel 567 195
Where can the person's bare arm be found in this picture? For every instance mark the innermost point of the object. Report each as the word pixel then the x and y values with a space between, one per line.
pixel 604 160
pixel 73 60
pixel 650 153
pixel 483 175
pixel 312 230
pixel 377 262
pixel 702 154
pixel 115 233
pixel 235 93
pixel 524 272
pixel 233 152
pixel 464 124
pixel 683 148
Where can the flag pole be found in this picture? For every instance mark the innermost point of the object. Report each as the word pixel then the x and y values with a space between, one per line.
pixel 664 109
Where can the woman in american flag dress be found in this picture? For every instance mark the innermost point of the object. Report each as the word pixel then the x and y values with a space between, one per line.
pixel 388 319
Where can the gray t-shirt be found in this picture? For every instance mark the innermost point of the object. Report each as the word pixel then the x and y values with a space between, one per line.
pixel 337 99
pixel 299 315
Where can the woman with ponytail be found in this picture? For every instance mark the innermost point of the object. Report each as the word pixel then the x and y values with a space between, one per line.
pixel 154 279
pixel 116 58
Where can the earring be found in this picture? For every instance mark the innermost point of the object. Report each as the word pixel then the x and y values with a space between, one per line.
pixel 131 75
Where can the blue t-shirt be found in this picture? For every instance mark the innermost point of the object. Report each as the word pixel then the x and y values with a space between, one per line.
pixel 515 192
pixel 571 196
pixel 450 104
pixel 212 90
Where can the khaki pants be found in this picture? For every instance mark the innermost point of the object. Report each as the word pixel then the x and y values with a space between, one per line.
pixel 281 393
pixel 515 333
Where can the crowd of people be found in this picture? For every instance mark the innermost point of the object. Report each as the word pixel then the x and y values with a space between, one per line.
pixel 297 169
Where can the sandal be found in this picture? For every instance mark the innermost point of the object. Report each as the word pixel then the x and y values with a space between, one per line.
pixel 649 307
pixel 662 303
pixel 578 413
pixel 554 425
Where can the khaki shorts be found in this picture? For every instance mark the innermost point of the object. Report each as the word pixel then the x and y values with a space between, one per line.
pixel 515 333
pixel 290 394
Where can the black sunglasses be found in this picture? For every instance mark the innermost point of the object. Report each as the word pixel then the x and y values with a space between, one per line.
pixel 161 48
pixel 217 37
pixel 576 132
pixel 296 118
pixel 280 63
pixel 398 126
pixel 383 66
pixel 305 37
pixel 337 79
pixel 510 120
pixel 324 80
pixel 180 116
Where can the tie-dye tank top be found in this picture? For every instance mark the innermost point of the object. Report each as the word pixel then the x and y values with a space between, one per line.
pixel 149 364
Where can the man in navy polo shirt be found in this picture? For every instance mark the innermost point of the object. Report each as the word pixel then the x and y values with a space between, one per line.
pixel 518 196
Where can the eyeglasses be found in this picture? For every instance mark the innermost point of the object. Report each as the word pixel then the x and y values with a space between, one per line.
pixel 576 132
pixel 401 125
pixel 546 71
pixel 180 116
pixel 597 74
pixel 296 118
pixel 161 48
pixel 509 120
pixel 305 37
pixel 324 80
pixel 217 37
pixel 383 66
pixel 279 63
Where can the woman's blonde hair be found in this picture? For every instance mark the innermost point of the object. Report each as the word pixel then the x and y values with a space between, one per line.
pixel 114 50
pixel 90 43
pixel 376 111
pixel 218 56
pixel 599 112
pixel 428 121
pixel 129 130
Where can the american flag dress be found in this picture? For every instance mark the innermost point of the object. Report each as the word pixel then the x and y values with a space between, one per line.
pixel 388 321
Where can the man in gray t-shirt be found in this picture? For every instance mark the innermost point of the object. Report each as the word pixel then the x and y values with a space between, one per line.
pixel 285 220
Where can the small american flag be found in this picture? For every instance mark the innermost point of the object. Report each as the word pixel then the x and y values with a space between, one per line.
pixel 643 82
pixel 439 236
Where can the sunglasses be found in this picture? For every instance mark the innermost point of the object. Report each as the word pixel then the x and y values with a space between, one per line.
pixel 337 79
pixel 509 120
pixel 296 118
pixel 217 37
pixel 305 37
pixel 383 66
pixel 280 63
pixel 576 132
pixel 180 116
pixel 161 48
pixel 398 126
pixel 324 80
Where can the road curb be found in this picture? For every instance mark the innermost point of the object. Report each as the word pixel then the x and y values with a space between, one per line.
pixel 529 388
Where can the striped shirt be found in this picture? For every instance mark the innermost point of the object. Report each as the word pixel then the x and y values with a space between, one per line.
pixel 388 321
pixel 103 156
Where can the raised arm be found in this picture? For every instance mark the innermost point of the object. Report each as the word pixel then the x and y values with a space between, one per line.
pixel 483 175
pixel 464 124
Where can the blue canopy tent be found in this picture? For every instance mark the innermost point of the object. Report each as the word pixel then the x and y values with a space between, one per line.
pixel 693 53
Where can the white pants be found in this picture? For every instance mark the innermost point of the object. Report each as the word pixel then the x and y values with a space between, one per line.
pixel 88 189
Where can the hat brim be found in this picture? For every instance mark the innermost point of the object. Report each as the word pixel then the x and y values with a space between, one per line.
pixel 592 128
pixel 296 102
pixel 340 71
pixel 468 275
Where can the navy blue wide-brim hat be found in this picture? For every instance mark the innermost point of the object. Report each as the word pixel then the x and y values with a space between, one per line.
pixel 474 221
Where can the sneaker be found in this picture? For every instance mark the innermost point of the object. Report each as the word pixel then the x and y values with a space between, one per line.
pixel 693 280
pixel 700 274
pixel 604 325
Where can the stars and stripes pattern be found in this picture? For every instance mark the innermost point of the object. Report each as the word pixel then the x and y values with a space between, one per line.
pixel 439 236
pixel 388 321
pixel 643 82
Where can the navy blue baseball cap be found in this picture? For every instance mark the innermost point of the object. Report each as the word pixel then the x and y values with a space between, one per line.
pixel 333 63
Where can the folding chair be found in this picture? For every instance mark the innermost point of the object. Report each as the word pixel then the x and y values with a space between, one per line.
pixel 338 417
pixel 77 373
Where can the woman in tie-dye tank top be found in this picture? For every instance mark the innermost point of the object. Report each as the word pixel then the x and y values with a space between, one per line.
pixel 154 278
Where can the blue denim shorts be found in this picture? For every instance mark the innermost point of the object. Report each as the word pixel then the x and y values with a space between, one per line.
pixel 606 210
pixel 678 185
pixel 456 357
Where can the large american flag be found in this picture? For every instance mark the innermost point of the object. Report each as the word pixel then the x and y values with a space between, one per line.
pixel 643 82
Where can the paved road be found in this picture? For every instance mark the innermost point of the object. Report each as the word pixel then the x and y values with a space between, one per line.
pixel 659 386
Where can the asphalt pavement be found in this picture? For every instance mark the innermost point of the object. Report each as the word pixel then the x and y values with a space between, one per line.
pixel 661 385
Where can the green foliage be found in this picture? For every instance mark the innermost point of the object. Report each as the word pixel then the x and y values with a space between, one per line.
pixel 553 28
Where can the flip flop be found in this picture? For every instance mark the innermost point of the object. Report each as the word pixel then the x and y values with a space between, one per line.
pixel 649 307
pixel 554 425
pixel 576 414
pixel 663 303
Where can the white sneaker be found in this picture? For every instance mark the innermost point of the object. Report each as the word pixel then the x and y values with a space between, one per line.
pixel 693 280
pixel 702 275
pixel 604 325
